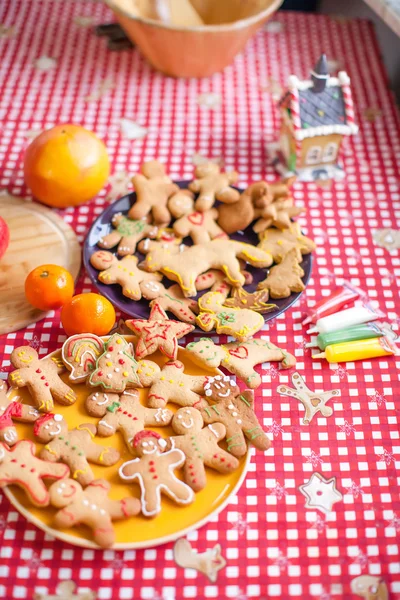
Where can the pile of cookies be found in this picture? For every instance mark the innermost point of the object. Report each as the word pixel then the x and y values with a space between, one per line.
pixel 206 411
pixel 164 215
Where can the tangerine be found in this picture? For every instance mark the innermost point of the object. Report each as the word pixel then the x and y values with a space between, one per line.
pixel 88 313
pixel 66 166
pixel 49 287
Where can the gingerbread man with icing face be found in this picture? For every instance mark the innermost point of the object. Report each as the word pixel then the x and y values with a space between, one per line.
pixel 127 234
pixel 41 377
pixel 10 409
pixel 74 447
pixel 235 409
pixel 200 447
pixel 200 226
pixel 91 507
pixel 154 472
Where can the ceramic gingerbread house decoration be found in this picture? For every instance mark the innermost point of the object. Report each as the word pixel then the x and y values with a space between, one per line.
pixel 316 115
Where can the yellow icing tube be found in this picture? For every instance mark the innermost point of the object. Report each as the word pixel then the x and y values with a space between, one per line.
pixel 358 350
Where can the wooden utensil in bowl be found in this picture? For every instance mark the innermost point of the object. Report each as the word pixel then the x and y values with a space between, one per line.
pixel 191 38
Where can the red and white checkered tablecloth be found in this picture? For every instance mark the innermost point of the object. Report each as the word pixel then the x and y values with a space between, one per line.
pixel 274 546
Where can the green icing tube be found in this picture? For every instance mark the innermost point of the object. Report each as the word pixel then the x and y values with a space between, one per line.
pixel 351 334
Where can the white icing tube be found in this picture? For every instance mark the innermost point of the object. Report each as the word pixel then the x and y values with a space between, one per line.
pixel 346 318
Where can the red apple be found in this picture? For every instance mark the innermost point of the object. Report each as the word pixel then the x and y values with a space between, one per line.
pixel 4 237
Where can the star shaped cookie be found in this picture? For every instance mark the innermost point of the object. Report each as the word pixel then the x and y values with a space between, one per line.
pixel 321 493
pixel 158 333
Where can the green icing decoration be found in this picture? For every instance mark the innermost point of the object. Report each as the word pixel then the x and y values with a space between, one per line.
pixel 174 299
pixel 128 227
pixel 243 399
pixel 113 407
pixel 225 318
pixel 251 434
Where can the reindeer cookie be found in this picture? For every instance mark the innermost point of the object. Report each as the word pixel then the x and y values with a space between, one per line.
pixel 154 472
pixel 213 185
pixel 256 301
pixel 41 377
pixel 239 358
pixel 235 410
pixel 91 507
pixel 126 234
pixel 170 299
pixel 153 187
pixel 241 323
pixel 278 214
pixel 285 277
pixel 20 466
pixel 124 272
pixel 217 254
pixel 125 414
pixel 279 243
pixel 158 333
pixel 200 226
pixel 200 447
pixel 11 409
pixel 74 447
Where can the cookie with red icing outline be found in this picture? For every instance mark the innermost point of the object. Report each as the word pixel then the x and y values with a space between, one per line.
pixel 20 466
pixel 91 507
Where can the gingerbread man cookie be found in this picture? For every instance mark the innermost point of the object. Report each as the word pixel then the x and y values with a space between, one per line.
pixel 10 409
pixel 279 243
pixel 116 367
pixel 41 377
pixel 217 254
pixel 285 277
pixel 241 323
pixel 200 447
pixel 278 214
pixel 20 466
pixel 158 333
pixel 200 226
pixel 126 234
pixel 91 507
pixel 170 299
pixel 154 472
pixel 79 354
pixel 213 185
pixel 216 280
pixel 125 414
pixel 153 187
pixel 74 447
pixel 124 272
pixel 235 410
pixel 239 358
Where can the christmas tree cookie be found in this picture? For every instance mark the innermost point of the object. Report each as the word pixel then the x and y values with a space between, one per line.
pixel 116 367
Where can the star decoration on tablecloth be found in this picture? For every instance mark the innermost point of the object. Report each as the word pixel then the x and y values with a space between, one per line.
pixel 386 457
pixel 158 333
pixel 321 493
pixel 354 489
pixel 44 63
pixel 66 591
pixel 313 402
pixel 119 183
pixel 256 301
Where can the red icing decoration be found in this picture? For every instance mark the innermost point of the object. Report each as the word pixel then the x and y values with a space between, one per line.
pixel 239 352
pixel 197 218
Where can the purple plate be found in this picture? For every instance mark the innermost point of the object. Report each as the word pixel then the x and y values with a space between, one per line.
pixel 140 309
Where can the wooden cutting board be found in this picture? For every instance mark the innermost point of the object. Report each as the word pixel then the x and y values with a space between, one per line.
pixel 37 236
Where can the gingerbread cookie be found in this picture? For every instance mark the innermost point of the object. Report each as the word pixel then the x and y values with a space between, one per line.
pixel 200 226
pixel 170 299
pixel 41 377
pixel 239 358
pixel 12 409
pixel 199 444
pixel 278 214
pixel 213 185
pixel 116 367
pixel 73 447
pixel 126 234
pixel 124 272
pixel 216 280
pixel 285 277
pixel 125 414
pixel 278 243
pixel 20 466
pixel 158 333
pixel 153 187
pixel 249 205
pixel 235 410
pixel 241 323
pixel 91 507
pixel 170 384
pixel 79 354
pixel 208 562
pixel 154 472
pixel 256 301
pixel 218 254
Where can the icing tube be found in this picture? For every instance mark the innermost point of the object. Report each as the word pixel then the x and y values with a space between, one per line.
pixel 343 295
pixel 359 350
pixel 346 318
pixel 351 334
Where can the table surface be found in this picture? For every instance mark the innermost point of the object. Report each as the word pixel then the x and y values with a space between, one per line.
pixel 275 547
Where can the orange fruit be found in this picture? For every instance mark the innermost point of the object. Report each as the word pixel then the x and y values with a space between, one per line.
pixel 88 313
pixel 49 287
pixel 66 165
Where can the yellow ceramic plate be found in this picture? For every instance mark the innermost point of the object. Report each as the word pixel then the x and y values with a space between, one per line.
pixel 136 532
